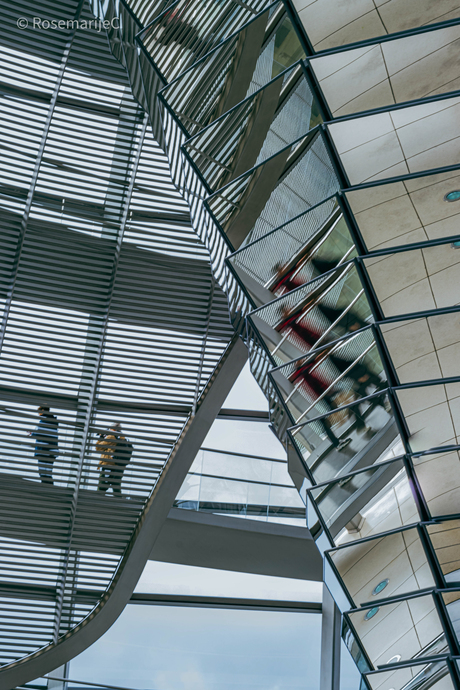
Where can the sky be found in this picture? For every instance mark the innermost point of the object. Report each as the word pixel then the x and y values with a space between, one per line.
pixel 184 648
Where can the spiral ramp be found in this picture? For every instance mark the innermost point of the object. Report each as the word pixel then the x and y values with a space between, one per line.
pixel 110 312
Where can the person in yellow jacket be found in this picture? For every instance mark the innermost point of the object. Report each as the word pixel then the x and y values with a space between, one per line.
pixel 110 470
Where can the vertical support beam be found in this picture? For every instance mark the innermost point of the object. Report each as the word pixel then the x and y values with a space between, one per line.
pixel 61 672
pixel 330 643
pixel 70 561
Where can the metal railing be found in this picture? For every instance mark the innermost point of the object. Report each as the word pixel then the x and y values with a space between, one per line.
pixel 225 483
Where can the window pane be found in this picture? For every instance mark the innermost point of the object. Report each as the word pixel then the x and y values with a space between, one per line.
pixel 172 648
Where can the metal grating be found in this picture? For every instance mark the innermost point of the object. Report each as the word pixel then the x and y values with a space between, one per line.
pixel 106 294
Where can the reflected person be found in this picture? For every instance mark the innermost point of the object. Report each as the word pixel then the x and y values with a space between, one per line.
pixel 303 331
pixel 317 387
pixel 362 377
pixel 286 280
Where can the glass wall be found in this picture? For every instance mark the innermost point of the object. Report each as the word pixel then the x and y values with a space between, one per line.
pixel 172 648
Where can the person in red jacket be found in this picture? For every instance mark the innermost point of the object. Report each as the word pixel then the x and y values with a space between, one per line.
pixel 286 281
pixel 318 386
pixel 290 323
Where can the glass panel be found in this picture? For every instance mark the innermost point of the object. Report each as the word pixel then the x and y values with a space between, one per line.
pixel 437 341
pixel 452 602
pixel 259 52
pixel 418 204
pixel 353 646
pixel 187 647
pixel 289 183
pixel 287 48
pixel 172 578
pixel 225 495
pixel 188 497
pixel 417 624
pixel 398 558
pixel 269 120
pixel 183 33
pixel 243 485
pixel 321 311
pixel 430 412
pixel 263 258
pixel 433 676
pixel 445 538
pixel 367 503
pixel 394 275
pixel 333 377
pixel 333 445
pixel 439 477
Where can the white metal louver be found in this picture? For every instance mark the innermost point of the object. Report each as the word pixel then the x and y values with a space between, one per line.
pixel 109 313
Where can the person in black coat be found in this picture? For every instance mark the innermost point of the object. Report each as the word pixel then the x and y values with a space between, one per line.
pixel 46 443
pixel 349 321
pixel 362 376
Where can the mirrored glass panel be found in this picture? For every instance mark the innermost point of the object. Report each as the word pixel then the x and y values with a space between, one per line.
pixel 406 79
pixel 417 206
pixel 284 186
pixel 182 33
pixel 417 279
pixel 332 377
pixel 352 644
pixel 324 310
pixel 280 255
pixel 445 538
pixel 366 503
pixel 432 415
pixel 418 629
pixel 256 129
pixel 439 477
pixel 237 68
pixel 437 339
pixel 343 441
pixel 434 675
pixel 398 557
pixel 452 603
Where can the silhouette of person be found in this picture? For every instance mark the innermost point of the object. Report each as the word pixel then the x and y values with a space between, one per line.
pixel 46 443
